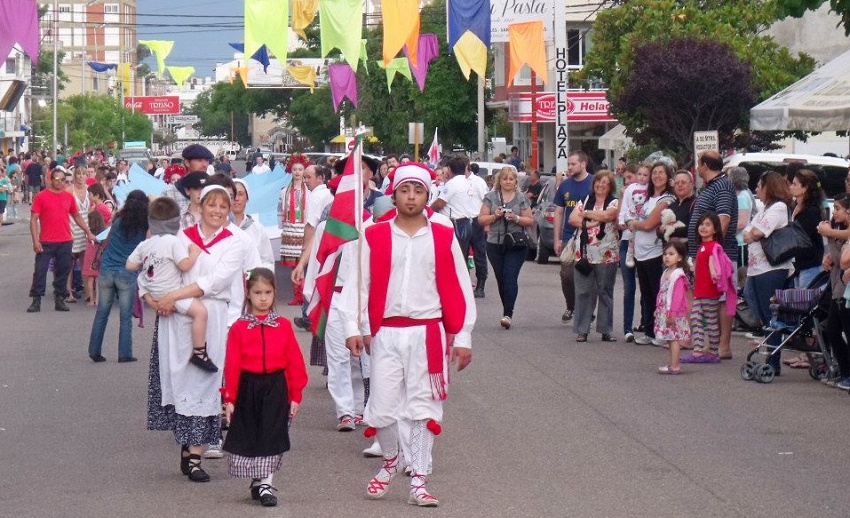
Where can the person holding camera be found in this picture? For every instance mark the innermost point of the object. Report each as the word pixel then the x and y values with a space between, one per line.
pixel 508 213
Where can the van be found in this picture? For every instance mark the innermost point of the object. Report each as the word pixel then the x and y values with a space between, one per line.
pixel 831 170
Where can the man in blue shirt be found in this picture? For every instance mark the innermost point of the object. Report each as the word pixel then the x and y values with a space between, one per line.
pixel 577 186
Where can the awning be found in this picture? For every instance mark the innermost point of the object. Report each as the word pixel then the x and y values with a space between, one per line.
pixel 818 102
pixel 615 139
pixel 339 139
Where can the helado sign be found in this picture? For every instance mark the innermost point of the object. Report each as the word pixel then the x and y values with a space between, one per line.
pixel 154 105
pixel 581 107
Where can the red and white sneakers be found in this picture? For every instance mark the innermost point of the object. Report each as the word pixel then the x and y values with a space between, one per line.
pixel 380 483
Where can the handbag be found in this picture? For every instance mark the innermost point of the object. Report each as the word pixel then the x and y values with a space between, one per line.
pixel 516 239
pixel 784 243
pixel 568 252
pixel 583 266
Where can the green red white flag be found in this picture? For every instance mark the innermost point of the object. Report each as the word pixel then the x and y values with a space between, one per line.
pixel 343 226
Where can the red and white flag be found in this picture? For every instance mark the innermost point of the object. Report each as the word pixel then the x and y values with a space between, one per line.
pixel 434 150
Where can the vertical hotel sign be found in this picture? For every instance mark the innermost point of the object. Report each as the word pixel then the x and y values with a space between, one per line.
pixel 562 141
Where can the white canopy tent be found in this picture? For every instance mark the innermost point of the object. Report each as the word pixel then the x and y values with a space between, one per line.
pixel 818 102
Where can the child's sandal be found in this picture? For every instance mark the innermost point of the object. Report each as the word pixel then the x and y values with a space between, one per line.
pixel 666 369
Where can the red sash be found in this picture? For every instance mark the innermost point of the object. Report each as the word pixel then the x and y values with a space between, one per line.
pixel 195 236
pixel 452 301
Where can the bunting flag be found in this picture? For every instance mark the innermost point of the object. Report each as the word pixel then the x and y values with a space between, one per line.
pixel 469 34
pixel 434 150
pixel 527 46
pixel 341 27
pixel 343 226
pixel 19 24
pixel 266 22
pixel 401 28
pixel 180 74
pixel 471 54
pixel 429 49
pixel 303 13
pixel 363 56
pixel 306 75
pixel 397 65
pixel 262 54
pixel 243 75
pixel 161 50
pixel 124 77
pixel 101 67
pixel 343 84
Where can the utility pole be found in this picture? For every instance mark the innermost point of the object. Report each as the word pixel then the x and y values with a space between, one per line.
pixel 55 32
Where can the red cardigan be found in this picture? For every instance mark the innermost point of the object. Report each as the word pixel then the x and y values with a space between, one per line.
pixel 263 349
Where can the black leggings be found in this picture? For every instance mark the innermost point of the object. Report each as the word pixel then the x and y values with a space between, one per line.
pixel 837 327
pixel 649 279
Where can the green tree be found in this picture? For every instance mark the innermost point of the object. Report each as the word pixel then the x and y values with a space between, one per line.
pixel 797 8
pixel 313 115
pixel 98 120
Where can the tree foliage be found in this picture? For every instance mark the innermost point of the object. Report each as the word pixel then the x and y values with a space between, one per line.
pixel 98 120
pixel 797 8
pixel 683 86
pixel 738 24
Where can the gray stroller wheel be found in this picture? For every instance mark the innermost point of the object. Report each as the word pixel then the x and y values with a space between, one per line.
pixel 764 373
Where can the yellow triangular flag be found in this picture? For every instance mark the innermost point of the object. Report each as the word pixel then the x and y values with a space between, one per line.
pixel 160 49
pixel 243 75
pixel 471 54
pixel 180 74
pixel 266 23
pixel 306 75
pixel 303 13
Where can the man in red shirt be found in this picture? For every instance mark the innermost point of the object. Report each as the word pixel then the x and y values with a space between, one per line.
pixel 51 239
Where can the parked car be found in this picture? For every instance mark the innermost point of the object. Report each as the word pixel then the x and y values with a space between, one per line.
pixel 542 231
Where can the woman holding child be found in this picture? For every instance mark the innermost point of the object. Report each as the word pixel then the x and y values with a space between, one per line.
pixel 181 398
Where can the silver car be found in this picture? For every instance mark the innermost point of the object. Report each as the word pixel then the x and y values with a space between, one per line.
pixel 542 231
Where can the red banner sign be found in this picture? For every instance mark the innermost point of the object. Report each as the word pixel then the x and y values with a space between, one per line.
pixel 154 105
pixel 581 107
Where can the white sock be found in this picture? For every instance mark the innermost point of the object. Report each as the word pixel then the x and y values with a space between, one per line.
pixel 267 480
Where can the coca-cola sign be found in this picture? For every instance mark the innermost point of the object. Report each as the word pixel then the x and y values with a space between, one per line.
pixel 154 105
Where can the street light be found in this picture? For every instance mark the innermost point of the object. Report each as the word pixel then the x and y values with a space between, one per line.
pixel 55 74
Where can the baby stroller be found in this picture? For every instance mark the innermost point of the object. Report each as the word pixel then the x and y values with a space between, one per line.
pixel 799 315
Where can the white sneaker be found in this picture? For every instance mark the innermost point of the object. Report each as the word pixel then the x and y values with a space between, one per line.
pixel 658 343
pixel 643 340
pixel 374 450
pixel 630 337
pixel 214 451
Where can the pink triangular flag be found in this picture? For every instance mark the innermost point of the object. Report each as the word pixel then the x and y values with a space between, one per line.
pixel 343 84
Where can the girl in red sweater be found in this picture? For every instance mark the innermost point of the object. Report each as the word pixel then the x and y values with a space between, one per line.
pixel 264 376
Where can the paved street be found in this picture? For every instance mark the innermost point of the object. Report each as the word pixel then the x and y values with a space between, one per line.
pixel 537 426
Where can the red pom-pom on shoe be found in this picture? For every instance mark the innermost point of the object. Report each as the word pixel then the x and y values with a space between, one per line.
pixel 434 427
pixel 370 432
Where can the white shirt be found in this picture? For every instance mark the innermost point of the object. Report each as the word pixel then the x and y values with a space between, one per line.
pixel 319 198
pixel 767 220
pixel 261 241
pixel 479 190
pixel 260 169
pixel 412 288
pixel 159 256
pixel 647 243
pixel 458 196
pixel 250 260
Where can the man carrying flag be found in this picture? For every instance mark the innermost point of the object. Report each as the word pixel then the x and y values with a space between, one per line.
pixel 414 283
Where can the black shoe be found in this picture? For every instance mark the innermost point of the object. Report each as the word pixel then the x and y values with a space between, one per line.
pixel 184 459
pixel 201 360
pixel 35 307
pixel 302 323
pixel 267 499
pixel 60 305
pixel 196 472
pixel 478 293
pixel 97 358
pixel 255 489
pixel 127 359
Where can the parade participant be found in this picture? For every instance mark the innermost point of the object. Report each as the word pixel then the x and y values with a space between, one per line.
pixel 173 174
pixel 183 399
pixel 115 282
pixel 672 306
pixel 162 259
pixel 251 227
pixel 261 167
pixel 455 201
pixel 264 376
pixel 190 186
pixel 419 309
pixel 50 230
pixel 291 215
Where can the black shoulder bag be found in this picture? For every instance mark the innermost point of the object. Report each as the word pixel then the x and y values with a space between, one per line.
pixel 516 239
pixel 784 243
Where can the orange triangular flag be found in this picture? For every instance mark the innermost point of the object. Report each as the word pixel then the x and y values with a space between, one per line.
pixel 527 47
pixel 401 27
pixel 243 74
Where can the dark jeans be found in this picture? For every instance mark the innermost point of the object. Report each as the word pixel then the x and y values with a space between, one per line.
pixel 62 263
pixel 568 285
pixel 649 278
pixel 837 331
pixel 463 233
pixel 758 291
pixel 629 287
pixel 506 266
pixel 478 240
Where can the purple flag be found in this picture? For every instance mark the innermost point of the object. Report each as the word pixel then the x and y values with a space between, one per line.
pixel 343 84
pixel 429 48
pixel 19 24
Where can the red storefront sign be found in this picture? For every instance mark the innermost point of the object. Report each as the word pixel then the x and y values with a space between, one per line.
pixel 581 107
pixel 154 105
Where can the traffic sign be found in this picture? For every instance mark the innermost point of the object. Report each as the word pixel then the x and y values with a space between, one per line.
pixel 351 144
pixel 183 119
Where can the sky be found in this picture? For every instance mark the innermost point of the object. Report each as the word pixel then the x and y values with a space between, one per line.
pixel 199 43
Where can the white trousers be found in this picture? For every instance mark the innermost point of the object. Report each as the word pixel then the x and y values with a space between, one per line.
pixel 345 377
pixel 400 386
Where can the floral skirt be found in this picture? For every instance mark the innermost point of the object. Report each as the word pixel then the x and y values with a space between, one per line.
pixel 291 243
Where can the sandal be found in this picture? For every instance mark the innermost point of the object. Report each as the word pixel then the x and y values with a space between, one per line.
pixel 607 337
pixel 196 472
pixel 201 359
pixel 666 369
pixel 581 338
pixel 797 359
pixel 804 364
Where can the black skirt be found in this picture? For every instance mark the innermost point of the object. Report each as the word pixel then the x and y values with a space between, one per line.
pixel 260 423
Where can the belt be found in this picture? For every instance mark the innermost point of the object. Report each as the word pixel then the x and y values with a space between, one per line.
pixel 409 322
pixel 460 219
